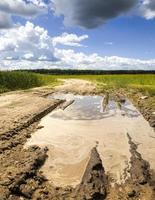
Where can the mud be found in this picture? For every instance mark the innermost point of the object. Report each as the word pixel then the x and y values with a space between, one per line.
pixel 20 174
pixel 94 181
pixel 146 107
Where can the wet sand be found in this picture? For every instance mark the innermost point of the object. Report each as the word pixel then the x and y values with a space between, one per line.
pixel 70 135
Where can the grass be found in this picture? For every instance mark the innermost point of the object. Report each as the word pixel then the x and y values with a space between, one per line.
pixel 10 81
pixel 24 80
pixel 140 83
pixel 144 83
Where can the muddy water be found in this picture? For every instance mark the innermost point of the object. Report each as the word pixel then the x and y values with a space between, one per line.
pixel 70 135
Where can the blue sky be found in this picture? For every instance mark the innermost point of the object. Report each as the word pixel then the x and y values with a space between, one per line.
pixel 96 37
pixel 127 36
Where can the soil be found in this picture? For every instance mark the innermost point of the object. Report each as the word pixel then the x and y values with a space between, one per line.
pixel 146 106
pixel 20 175
pixel 76 86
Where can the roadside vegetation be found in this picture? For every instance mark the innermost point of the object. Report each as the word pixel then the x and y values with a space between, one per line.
pixel 144 83
pixel 17 80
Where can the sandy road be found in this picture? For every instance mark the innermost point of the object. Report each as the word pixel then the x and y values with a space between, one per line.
pixel 19 169
pixel 76 86
pixel 19 115
pixel 15 107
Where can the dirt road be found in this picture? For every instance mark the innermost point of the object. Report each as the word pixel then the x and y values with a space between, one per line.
pixel 76 86
pixel 20 177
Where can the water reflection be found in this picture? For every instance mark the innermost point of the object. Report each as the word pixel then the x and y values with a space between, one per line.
pixel 92 108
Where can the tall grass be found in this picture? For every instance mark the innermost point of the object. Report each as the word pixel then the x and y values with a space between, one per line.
pixel 143 83
pixel 23 80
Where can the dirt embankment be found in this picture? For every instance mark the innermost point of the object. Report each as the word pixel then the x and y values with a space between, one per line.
pixel 146 106
pixel 19 169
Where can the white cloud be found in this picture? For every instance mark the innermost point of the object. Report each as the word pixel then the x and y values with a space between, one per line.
pixel 21 8
pixel 148 9
pixel 69 40
pixel 39 3
pixel 30 47
pixel 108 43
pixel 5 20
pixel 28 56
pixel 25 41
pixel 29 9
pixel 69 59
pixel 28 64
pixel 93 61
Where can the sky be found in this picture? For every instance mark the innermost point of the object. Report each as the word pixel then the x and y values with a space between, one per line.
pixel 77 34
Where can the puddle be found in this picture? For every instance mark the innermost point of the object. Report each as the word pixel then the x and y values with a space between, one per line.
pixel 70 135
pixel 91 108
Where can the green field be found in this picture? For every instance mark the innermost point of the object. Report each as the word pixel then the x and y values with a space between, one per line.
pixel 144 83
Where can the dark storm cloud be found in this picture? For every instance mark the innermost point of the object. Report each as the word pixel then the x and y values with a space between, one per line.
pixel 91 13
pixel 151 5
pixel 5 21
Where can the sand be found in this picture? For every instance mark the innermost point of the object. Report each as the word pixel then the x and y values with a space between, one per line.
pixel 71 134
